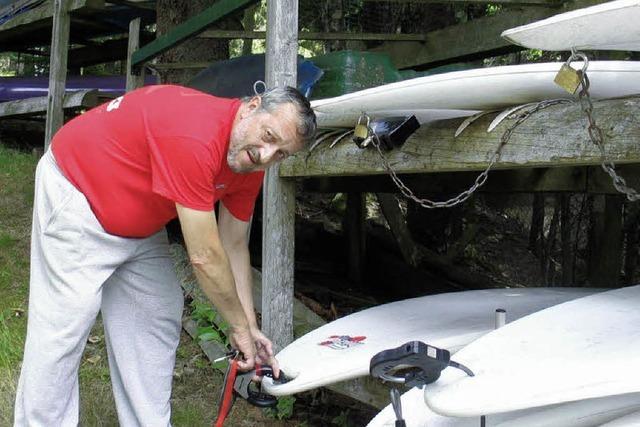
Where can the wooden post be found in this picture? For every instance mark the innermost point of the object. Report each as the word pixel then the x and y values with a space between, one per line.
pixel 566 240
pixel 57 69
pixel 605 261
pixel 392 213
pixel 356 235
pixel 135 78
pixel 278 194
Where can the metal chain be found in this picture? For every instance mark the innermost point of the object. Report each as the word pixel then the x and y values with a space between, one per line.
pixel 480 179
pixel 597 137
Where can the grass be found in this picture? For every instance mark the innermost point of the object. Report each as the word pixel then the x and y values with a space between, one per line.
pixel 16 194
pixel 196 384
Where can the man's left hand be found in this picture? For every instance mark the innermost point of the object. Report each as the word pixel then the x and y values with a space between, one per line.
pixel 264 354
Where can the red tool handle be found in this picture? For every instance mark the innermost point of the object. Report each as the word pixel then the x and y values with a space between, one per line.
pixel 227 397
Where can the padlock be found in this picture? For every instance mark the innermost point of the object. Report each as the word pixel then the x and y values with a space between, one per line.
pixel 361 131
pixel 568 78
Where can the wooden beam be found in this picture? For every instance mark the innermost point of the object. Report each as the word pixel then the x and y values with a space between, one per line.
pixel 279 195
pixel 30 106
pixel 190 28
pixel 177 65
pixel 470 40
pixel 57 69
pixel 45 12
pixel 581 179
pixel 355 232
pixel 307 35
pixel 135 78
pixel 552 137
pixel 398 226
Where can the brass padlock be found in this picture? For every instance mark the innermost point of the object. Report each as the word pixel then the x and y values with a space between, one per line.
pixel 568 78
pixel 361 131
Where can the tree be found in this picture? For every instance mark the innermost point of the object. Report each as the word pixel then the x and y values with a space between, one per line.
pixel 173 12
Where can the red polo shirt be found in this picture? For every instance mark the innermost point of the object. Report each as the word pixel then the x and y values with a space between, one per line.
pixel 136 156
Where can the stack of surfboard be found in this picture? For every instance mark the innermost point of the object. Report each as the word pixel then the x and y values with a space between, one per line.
pixel 342 349
pixel 609 26
pixel 464 93
pixel 573 364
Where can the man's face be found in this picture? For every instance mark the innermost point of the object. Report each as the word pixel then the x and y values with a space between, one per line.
pixel 260 139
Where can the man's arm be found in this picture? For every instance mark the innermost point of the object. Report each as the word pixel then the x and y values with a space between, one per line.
pixel 212 269
pixel 234 237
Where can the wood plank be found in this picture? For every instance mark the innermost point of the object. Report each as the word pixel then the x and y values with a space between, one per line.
pixel 44 12
pixel 308 35
pixel 135 77
pixel 470 40
pixel 57 69
pixel 190 28
pixel 552 137
pixel 30 106
pixel 278 217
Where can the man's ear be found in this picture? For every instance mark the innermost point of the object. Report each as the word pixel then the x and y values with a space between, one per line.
pixel 254 103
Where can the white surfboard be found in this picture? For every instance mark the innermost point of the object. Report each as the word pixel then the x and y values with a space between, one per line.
pixel 609 26
pixel 473 90
pixel 581 349
pixel 630 420
pixel 342 349
pixel 590 412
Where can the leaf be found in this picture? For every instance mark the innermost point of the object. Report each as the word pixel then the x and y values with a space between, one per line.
pixel 210 336
pixel 205 329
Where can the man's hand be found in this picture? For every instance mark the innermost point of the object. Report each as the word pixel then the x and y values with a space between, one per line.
pixel 242 340
pixel 265 351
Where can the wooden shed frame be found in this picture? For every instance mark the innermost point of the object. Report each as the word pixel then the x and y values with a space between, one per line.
pixel 430 160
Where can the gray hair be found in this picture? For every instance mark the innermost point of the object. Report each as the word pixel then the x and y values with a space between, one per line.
pixel 277 96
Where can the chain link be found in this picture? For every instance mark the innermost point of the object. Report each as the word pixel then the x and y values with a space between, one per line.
pixel 480 179
pixel 595 133
pixel 597 137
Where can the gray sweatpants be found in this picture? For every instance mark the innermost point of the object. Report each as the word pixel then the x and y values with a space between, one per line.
pixel 77 269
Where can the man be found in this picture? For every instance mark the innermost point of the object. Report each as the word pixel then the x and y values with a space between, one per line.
pixel 111 181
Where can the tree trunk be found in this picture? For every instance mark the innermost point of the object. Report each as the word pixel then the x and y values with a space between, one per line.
pixel 537 224
pixel 549 246
pixel 566 240
pixel 173 12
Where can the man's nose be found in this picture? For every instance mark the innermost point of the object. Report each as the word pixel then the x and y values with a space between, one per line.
pixel 267 153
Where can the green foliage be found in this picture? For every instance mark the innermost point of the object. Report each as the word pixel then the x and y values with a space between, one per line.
pixel 284 408
pixel 493 9
pixel 532 55
pixel 211 326
pixel 21 64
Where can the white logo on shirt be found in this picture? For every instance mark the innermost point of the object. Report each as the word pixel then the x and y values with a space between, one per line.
pixel 113 105
pixel 220 186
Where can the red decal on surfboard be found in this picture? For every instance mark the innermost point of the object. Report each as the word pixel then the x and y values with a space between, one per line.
pixel 341 342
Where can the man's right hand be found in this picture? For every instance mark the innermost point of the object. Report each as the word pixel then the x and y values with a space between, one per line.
pixel 242 340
